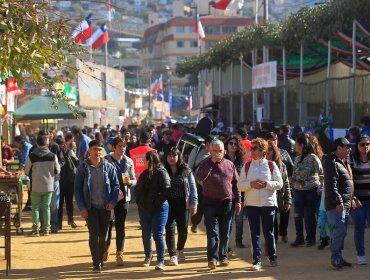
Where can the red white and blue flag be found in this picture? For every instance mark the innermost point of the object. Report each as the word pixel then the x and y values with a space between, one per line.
pixel 99 37
pixel 190 102
pixel 233 5
pixel 199 29
pixel 83 31
pixel 157 85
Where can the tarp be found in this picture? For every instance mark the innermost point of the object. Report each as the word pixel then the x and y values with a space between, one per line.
pixel 40 108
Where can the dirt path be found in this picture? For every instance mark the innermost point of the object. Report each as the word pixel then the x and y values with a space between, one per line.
pixel 66 256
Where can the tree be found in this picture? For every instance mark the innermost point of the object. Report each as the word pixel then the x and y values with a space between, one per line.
pixel 34 37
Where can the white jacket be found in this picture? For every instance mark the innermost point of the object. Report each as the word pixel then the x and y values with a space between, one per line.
pixel 259 169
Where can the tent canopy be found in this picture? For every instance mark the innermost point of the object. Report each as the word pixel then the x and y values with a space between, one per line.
pixel 41 107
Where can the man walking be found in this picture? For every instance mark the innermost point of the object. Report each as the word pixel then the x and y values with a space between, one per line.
pixel 96 192
pixel 338 198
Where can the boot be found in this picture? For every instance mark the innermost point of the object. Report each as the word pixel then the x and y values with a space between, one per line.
pixel 324 243
pixel 106 253
pixel 119 258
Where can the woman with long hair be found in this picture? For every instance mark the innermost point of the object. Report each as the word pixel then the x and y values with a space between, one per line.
pixel 284 195
pixel 306 182
pixel 151 196
pixel 235 152
pixel 182 200
pixel 126 176
pixel 360 165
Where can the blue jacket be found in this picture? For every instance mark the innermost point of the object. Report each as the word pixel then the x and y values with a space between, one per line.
pixel 82 185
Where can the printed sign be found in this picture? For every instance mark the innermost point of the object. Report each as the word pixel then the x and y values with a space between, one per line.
pixel 264 75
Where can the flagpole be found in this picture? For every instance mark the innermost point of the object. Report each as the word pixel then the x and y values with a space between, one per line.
pixel 200 74
pixel 354 64
pixel 328 76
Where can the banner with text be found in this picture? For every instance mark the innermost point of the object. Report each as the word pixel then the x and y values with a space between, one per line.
pixel 264 75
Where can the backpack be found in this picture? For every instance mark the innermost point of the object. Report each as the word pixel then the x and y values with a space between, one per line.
pixel 248 165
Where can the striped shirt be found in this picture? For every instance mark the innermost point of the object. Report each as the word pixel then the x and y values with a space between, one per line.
pixel 361 179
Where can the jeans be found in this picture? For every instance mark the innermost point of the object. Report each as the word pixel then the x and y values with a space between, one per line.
pixel 217 219
pixel 322 221
pixel 281 227
pixel 97 223
pixel 266 215
pixel 120 214
pixel 239 221
pixel 153 223
pixel 66 194
pixel 197 218
pixel 41 202
pixel 339 220
pixel 305 206
pixel 54 206
pixel 359 217
pixel 178 216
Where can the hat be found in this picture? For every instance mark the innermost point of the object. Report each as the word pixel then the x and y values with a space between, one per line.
pixel 59 133
pixel 145 137
pixel 341 141
pixel 60 140
pixel 166 130
pixel 110 140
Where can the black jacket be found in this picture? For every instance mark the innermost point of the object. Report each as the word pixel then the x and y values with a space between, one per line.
pixel 287 143
pixel 151 194
pixel 338 182
pixel 287 160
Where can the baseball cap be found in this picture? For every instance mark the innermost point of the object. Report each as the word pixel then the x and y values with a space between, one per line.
pixel 341 141
pixel 166 130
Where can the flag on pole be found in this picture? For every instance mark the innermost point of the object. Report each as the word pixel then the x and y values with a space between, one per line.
pixel 233 5
pixel 170 98
pixel 190 102
pixel 156 85
pixel 83 30
pixel 99 37
pixel 199 29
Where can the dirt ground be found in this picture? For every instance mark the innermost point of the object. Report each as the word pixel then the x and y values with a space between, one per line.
pixel 66 255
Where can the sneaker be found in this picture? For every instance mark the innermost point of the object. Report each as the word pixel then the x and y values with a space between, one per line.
pixel 147 261
pixel 45 233
pixel 239 244
pixel 173 261
pixel 284 239
pixel 224 263
pixel 297 243
pixel 336 266
pixel 54 230
pixel 345 263
pixel 230 252
pixel 119 258
pixel 97 268
pixel 194 229
pixel 257 266
pixel 212 265
pixel 28 208
pixel 181 255
pixel 160 266
pixel 73 225
pixel 106 253
pixel 361 260
pixel 324 242
pixel 34 233
pixel 311 243
pixel 273 262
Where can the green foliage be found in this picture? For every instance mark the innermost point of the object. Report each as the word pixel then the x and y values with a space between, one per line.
pixel 33 37
pixel 307 26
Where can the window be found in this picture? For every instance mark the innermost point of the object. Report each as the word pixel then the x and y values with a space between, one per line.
pixel 212 30
pixel 180 29
pixel 210 45
pixel 228 29
pixel 180 44
pixel 191 29
pixel 194 44
pixel 179 58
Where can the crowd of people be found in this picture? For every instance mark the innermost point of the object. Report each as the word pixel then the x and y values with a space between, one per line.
pixel 229 177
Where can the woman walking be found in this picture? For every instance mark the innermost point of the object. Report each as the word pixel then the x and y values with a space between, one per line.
pixel 126 176
pixel 151 196
pixel 182 201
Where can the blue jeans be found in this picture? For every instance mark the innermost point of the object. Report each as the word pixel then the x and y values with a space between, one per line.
pixel 153 223
pixel 266 215
pixel 339 220
pixel 322 222
pixel 359 217
pixel 54 206
pixel 217 219
pixel 305 206
pixel 239 221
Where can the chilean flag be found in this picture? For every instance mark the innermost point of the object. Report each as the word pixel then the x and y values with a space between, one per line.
pixel 199 29
pixel 190 102
pixel 83 30
pixel 157 85
pixel 99 37
pixel 234 5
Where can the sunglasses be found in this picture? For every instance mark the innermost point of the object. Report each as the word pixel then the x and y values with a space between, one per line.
pixel 233 144
pixel 254 148
pixel 364 144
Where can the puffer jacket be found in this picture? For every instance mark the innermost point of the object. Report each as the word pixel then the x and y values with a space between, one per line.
pixel 338 182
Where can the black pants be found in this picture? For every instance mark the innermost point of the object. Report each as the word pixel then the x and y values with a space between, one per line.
pixel 66 194
pixel 120 214
pixel 98 224
pixel 197 218
pixel 178 216
pixel 281 228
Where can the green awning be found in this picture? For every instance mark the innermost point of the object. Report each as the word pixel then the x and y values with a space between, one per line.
pixel 40 108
